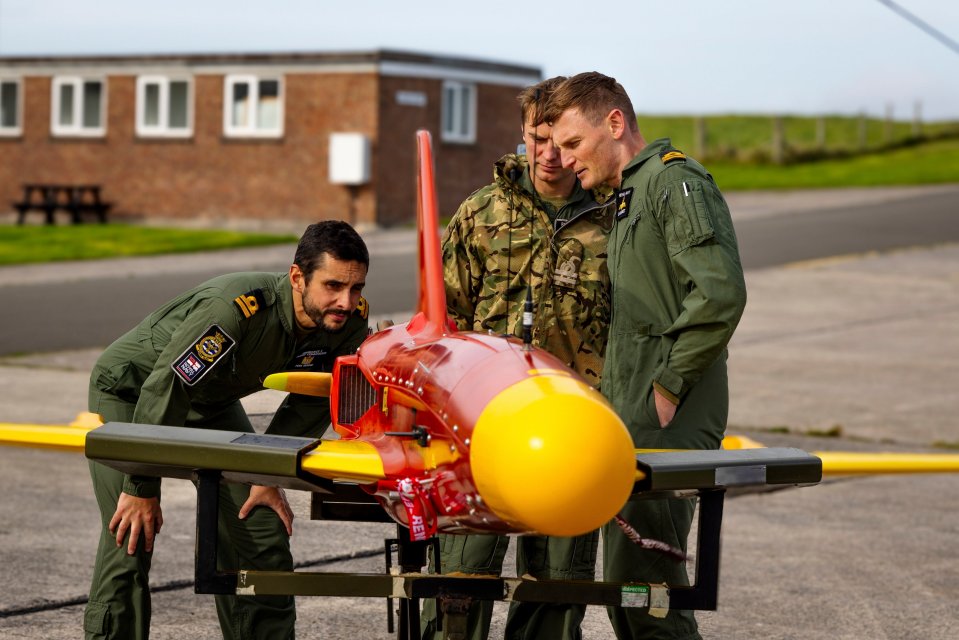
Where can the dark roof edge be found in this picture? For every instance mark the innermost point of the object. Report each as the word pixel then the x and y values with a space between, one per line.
pixel 291 57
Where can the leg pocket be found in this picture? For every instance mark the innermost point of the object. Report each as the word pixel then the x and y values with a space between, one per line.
pixel 96 620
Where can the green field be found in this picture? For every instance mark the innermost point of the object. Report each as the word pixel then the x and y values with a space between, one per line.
pixel 20 245
pixel 749 138
pixel 930 163
pixel 833 151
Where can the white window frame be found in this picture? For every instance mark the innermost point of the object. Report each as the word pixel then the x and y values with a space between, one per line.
pixel 77 129
pixel 163 130
pixel 16 129
pixel 456 130
pixel 250 130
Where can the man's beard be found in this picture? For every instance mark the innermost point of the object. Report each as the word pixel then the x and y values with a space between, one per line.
pixel 319 317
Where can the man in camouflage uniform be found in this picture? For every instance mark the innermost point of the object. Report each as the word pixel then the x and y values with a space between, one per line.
pixel 536 227
pixel 188 364
pixel 678 293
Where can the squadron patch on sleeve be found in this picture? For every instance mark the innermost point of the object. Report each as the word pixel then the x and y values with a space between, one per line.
pixel 202 355
pixel 250 302
pixel 363 308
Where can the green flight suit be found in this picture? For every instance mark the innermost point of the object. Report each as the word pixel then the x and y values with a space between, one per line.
pixel 188 364
pixel 503 237
pixel 678 293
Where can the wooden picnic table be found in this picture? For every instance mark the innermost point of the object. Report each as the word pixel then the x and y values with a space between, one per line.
pixel 76 199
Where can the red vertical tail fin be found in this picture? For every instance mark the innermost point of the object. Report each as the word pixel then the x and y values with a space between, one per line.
pixel 430 319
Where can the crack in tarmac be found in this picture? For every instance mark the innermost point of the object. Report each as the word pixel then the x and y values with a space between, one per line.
pixel 175 585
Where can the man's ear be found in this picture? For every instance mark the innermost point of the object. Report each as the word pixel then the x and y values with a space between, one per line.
pixel 616 123
pixel 297 279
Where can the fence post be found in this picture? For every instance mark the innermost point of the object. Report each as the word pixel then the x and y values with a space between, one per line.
pixel 862 131
pixel 699 136
pixel 779 141
pixel 887 125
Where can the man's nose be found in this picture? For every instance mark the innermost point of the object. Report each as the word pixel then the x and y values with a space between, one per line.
pixel 566 159
pixel 344 300
pixel 550 152
pixel 349 299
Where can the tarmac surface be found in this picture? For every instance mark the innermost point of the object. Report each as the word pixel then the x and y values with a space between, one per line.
pixel 865 346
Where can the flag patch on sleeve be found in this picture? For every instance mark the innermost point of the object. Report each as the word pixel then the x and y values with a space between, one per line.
pixel 203 354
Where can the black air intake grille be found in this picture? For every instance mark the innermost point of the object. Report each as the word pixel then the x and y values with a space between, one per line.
pixel 356 395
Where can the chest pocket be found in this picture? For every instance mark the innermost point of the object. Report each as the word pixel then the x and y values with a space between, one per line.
pixel 581 289
pixel 569 263
pixel 687 216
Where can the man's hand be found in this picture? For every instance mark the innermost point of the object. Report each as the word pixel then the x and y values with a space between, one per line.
pixel 272 497
pixel 665 409
pixel 135 516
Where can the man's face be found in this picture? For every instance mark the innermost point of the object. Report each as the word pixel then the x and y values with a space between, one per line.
pixel 330 295
pixel 540 148
pixel 587 149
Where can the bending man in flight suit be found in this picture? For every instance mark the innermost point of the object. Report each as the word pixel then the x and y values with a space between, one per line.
pixel 533 226
pixel 188 364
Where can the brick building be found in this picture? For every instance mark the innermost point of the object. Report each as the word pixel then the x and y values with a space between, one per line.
pixel 251 136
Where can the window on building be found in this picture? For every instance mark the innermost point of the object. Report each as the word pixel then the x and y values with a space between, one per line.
pixel 9 107
pixel 253 106
pixel 78 106
pixel 459 112
pixel 164 106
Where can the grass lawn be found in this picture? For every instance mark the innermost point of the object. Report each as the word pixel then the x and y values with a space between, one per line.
pixel 20 245
pixel 931 163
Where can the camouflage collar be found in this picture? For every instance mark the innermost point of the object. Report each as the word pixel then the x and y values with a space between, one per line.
pixel 513 171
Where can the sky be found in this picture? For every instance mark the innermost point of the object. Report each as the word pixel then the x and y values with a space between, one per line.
pixel 690 57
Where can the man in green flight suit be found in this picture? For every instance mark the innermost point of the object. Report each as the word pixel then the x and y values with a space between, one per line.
pixel 188 364
pixel 533 227
pixel 678 293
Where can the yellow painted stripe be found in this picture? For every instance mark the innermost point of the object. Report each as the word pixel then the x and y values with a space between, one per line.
pixel 44 436
pixel 836 463
pixel 346 460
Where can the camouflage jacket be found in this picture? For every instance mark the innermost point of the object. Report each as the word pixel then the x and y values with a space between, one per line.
pixel 501 238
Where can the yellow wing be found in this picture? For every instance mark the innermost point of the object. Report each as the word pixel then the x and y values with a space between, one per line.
pixel 843 463
pixel 69 437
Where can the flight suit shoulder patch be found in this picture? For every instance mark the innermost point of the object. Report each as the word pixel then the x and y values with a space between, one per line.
pixel 250 302
pixel 670 155
pixel 362 308
pixel 203 354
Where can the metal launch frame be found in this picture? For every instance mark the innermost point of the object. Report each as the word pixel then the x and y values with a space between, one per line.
pixel 210 457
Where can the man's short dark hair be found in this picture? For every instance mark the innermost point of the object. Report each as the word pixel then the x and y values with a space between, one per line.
pixel 593 95
pixel 532 100
pixel 333 237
